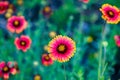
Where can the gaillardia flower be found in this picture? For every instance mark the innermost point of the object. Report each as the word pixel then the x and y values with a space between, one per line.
pixel 3 6
pixel 62 48
pixel 110 13
pixel 23 43
pixel 46 60
pixel 16 24
pixel 117 40
pixel 6 69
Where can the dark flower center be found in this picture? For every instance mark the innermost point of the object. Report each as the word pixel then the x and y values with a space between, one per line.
pixel 47 58
pixel 5 69
pixel 61 48
pixel 23 43
pixel 1 7
pixel 47 10
pixel 110 14
pixel 16 23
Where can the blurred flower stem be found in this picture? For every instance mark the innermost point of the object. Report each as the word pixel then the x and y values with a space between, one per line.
pixel 102 53
pixel 65 72
pixel 69 24
pixel 99 65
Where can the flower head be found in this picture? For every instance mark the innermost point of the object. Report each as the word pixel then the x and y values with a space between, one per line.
pixel 19 2
pixel 35 63
pixel 12 6
pixel 89 39
pixel 47 11
pixel 37 77
pixel 16 24
pixel 3 6
pixel 6 69
pixel 61 48
pixel 117 40
pixel 105 43
pixel 46 48
pixel 52 34
pixel 23 43
pixel 110 13
pixel 46 60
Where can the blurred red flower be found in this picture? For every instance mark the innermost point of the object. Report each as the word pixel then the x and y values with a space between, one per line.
pixel 117 40
pixel 3 6
pixel 46 60
pixel 23 43
pixel 6 69
pixel 16 24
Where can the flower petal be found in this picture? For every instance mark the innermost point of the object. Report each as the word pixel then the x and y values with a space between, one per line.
pixel 2 64
pixel 13 71
pixel 6 76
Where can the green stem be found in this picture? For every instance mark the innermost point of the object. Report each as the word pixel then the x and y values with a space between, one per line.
pixel 100 66
pixel 104 69
pixel 69 24
pixel 65 72
pixel 100 58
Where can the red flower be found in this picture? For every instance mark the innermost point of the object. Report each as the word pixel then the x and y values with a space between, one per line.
pixel 46 60
pixel 3 7
pixel 6 69
pixel 16 24
pixel 117 40
pixel 23 43
pixel 110 13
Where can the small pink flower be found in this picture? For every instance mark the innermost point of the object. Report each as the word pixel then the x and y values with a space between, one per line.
pixel 3 6
pixel 23 43
pixel 6 69
pixel 117 40
pixel 16 24
pixel 46 60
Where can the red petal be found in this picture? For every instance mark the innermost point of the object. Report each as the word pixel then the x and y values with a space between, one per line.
pixel 2 64
pixel 13 71
pixel 6 76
